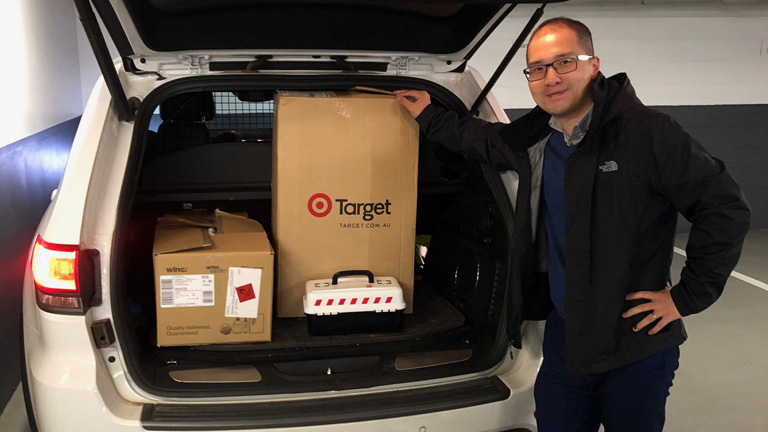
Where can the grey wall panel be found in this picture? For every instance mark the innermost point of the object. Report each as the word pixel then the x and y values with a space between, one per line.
pixel 718 116
pixel 723 137
pixel 735 134
pixel 758 200
pixel 750 177
pixel 738 157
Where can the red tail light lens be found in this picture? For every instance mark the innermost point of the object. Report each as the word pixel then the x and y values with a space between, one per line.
pixel 55 267
pixel 57 271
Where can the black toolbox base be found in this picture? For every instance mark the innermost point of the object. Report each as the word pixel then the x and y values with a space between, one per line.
pixel 355 323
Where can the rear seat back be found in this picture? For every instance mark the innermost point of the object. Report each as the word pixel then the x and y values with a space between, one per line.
pixel 184 118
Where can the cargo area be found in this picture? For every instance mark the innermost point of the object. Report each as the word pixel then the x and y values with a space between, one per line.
pixel 209 150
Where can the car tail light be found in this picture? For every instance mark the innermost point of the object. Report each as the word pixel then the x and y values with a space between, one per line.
pixel 61 272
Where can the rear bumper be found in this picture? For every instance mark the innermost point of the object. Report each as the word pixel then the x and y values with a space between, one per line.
pixel 71 389
pixel 82 398
pixel 324 411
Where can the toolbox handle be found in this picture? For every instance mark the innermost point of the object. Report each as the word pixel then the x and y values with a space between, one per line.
pixel 344 273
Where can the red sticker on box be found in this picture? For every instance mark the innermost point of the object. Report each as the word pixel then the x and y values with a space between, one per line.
pixel 245 293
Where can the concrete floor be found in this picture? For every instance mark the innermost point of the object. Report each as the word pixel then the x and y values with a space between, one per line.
pixel 722 382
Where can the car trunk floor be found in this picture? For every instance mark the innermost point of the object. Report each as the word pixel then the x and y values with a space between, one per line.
pixel 294 361
pixel 433 315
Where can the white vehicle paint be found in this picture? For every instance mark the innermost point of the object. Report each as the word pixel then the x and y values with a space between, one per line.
pixel 74 384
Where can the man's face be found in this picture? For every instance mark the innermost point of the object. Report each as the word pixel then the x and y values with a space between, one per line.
pixel 568 95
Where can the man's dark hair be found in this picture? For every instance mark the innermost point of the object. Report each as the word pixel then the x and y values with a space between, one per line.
pixel 583 35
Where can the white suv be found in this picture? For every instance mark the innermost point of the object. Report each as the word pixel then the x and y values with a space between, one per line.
pixel 168 128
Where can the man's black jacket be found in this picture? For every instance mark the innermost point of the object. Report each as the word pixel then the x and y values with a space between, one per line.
pixel 624 186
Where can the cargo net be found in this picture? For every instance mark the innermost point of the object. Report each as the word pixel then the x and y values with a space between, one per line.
pixel 201 118
pixel 241 116
pixel 196 119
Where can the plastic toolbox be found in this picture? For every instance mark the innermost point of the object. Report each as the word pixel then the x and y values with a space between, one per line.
pixel 354 301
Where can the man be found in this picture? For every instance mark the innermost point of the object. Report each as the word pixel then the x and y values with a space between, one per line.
pixel 607 177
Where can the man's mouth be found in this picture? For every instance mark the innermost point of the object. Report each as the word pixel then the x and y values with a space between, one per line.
pixel 556 94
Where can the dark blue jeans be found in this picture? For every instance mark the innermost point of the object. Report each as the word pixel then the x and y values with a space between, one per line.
pixel 626 399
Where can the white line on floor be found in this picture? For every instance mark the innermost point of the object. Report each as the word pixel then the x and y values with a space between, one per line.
pixel 737 275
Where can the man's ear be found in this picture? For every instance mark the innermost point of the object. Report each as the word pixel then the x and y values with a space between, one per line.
pixel 595 67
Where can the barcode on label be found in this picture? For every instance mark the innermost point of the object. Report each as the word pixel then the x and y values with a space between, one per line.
pixel 166 292
pixel 207 297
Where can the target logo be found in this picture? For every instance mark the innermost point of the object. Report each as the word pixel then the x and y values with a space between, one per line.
pixel 319 205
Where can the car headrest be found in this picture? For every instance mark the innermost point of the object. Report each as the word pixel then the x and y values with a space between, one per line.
pixel 188 107
pixel 175 136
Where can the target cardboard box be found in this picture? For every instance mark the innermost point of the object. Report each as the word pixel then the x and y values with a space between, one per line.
pixel 343 190
pixel 212 286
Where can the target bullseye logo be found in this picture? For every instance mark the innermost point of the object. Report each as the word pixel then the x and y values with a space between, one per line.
pixel 319 205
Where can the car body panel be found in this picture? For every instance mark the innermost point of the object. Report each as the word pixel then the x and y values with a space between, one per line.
pixel 75 386
pixel 77 175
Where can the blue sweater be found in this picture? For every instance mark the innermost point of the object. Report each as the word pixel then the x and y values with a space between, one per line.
pixel 556 152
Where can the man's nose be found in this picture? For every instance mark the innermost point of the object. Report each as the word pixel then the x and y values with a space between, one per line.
pixel 551 77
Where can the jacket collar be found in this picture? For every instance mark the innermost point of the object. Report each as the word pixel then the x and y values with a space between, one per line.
pixel 613 97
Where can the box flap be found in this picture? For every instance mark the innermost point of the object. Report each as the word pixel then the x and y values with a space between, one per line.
pixel 228 223
pixel 363 89
pixel 169 238
pixel 254 242
pixel 198 218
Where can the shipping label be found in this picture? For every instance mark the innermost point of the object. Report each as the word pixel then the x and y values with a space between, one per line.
pixel 186 291
pixel 243 293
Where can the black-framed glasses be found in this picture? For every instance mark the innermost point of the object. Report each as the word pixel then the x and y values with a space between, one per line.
pixel 562 66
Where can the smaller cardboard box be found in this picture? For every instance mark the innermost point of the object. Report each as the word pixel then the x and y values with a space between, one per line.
pixel 213 279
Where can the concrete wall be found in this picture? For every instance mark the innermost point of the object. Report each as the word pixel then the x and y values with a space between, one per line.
pixel 40 69
pixel 89 69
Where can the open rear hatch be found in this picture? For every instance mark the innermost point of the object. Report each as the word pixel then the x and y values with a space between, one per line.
pixel 448 30
pixel 157 36
pixel 458 327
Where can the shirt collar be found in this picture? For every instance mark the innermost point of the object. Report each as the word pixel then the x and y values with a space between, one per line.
pixel 579 130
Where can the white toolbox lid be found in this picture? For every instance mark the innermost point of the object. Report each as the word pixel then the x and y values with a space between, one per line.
pixel 353 294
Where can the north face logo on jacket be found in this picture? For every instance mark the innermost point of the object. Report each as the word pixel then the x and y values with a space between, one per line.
pixel 609 166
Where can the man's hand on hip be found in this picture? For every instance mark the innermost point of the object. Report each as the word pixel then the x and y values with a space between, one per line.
pixel 660 305
pixel 413 100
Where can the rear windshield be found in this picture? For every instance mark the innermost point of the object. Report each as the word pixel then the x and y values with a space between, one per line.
pixel 175 25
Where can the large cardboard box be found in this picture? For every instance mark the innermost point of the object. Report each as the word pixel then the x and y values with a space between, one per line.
pixel 343 190
pixel 212 286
